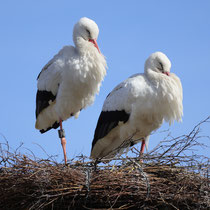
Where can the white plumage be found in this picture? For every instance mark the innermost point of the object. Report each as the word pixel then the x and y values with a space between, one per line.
pixel 138 106
pixel 74 76
pixel 68 82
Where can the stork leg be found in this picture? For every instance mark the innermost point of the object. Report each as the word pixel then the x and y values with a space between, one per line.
pixel 142 150
pixel 61 134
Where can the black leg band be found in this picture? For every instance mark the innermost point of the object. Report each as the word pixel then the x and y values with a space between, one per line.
pixel 61 133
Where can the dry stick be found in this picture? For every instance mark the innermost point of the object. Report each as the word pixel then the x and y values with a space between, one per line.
pixel 144 175
pixel 48 181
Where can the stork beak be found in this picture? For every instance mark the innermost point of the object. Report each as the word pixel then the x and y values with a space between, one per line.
pixel 95 44
pixel 166 73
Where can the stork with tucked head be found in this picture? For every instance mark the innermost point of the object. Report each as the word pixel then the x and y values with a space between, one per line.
pixel 69 81
pixel 138 106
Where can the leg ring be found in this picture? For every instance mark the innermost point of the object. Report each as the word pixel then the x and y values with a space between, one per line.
pixel 61 133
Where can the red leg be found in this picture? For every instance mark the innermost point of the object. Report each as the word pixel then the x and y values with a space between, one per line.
pixel 63 141
pixel 142 150
pixel 142 147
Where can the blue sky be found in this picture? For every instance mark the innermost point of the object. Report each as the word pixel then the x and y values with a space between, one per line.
pixel 32 32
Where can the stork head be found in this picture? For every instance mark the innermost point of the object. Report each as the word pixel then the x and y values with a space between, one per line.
pixel 85 31
pixel 158 62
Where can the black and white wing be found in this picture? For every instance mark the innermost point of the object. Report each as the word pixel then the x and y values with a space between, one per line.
pixel 49 80
pixel 115 110
pixel 48 83
pixel 107 121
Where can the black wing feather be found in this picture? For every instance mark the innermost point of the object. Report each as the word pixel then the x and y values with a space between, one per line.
pixel 55 125
pixel 42 100
pixel 107 121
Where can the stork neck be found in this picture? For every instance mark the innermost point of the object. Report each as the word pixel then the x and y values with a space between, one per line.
pixel 151 75
pixel 80 43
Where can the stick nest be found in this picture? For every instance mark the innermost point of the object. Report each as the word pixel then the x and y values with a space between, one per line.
pixel 168 178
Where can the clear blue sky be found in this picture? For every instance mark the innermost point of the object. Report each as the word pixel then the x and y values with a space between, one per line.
pixel 32 32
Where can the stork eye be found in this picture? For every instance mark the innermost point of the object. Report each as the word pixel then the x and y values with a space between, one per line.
pixel 160 67
pixel 88 32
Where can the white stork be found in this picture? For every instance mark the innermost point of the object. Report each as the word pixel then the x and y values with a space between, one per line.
pixel 138 106
pixel 68 82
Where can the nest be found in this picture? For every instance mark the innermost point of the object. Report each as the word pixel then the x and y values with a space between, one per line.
pixel 167 179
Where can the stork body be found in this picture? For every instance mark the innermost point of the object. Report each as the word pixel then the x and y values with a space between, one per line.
pixel 68 83
pixel 138 106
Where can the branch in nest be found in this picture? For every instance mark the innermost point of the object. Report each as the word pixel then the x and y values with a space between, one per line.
pixel 170 178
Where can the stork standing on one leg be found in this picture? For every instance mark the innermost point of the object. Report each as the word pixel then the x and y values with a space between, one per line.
pixel 138 106
pixel 68 82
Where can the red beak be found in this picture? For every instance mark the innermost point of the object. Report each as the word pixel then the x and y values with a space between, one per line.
pixel 95 44
pixel 166 73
